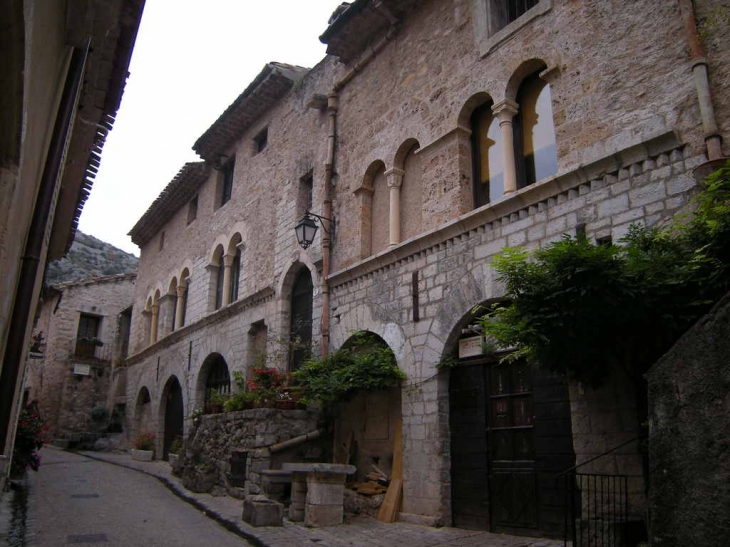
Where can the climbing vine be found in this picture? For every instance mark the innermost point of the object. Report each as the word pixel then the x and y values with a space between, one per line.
pixel 581 309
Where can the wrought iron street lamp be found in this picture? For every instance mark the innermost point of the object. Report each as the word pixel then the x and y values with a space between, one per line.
pixel 306 228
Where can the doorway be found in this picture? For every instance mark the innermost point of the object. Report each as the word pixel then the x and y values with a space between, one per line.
pixel 174 413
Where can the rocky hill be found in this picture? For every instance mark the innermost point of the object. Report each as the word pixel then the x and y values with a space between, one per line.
pixel 90 257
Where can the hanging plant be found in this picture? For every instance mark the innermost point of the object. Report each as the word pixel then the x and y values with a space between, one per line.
pixel 365 364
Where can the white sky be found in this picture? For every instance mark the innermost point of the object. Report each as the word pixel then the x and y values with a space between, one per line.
pixel 191 60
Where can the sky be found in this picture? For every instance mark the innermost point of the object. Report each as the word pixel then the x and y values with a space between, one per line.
pixel 191 60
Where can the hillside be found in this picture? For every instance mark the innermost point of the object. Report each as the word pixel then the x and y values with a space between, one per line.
pixel 90 257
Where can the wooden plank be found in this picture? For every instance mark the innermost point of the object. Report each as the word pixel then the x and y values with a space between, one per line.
pixel 391 504
pixel 388 511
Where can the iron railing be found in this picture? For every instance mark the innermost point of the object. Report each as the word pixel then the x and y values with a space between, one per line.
pixel 596 506
pixel 596 510
pixel 92 351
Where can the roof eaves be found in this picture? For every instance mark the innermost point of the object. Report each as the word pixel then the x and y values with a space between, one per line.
pixel 178 192
pixel 270 85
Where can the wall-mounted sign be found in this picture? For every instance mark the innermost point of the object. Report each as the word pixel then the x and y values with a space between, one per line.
pixel 82 370
pixel 470 347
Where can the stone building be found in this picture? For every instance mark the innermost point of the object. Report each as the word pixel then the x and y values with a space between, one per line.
pixel 82 336
pixel 432 135
pixel 63 67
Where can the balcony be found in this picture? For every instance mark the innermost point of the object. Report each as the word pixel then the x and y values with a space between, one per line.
pixel 90 351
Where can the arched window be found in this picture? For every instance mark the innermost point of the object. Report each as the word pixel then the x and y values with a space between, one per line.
pixel 235 275
pixel 217 275
pixel 534 132
pixel 218 379
pixel 487 156
pixel 301 318
pixel 411 195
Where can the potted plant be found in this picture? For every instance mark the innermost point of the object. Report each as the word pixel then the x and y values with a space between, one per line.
pixel 173 456
pixel 267 384
pixel 143 448
pixel 216 401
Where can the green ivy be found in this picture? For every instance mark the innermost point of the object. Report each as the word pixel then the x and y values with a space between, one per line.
pixel 580 309
pixel 363 365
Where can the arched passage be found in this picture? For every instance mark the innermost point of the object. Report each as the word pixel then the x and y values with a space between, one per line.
pixel 173 407
pixel 142 412
pixel 370 424
pixel 511 435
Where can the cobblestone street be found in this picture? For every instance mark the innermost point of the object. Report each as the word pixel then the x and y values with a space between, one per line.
pixel 79 499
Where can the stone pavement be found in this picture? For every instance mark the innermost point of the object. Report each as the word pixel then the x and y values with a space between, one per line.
pixel 356 532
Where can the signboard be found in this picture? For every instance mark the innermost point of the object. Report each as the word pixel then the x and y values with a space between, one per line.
pixel 82 370
pixel 470 347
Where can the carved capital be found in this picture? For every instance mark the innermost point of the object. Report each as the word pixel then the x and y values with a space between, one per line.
pixel 505 110
pixel 394 177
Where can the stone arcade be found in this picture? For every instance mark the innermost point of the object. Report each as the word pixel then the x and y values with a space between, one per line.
pixel 434 134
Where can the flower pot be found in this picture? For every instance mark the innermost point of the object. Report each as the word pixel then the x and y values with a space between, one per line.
pixel 285 405
pixel 142 455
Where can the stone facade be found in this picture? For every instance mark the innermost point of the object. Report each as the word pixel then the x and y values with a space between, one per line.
pixel 628 134
pixel 71 377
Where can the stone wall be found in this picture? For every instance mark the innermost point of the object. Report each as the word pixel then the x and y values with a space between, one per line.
pixel 65 399
pixel 628 134
pixel 689 436
pixel 216 436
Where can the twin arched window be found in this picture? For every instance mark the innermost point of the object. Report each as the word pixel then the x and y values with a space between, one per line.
pixel 533 143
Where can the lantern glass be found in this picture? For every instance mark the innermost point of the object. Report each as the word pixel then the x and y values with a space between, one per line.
pixel 306 230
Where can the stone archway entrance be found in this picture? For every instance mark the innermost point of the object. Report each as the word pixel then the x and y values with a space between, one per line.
pixel 511 436
pixel 174 414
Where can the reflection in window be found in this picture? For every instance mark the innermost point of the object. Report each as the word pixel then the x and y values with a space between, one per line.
pixel 534 133
pixel 235 275
pixel 487 156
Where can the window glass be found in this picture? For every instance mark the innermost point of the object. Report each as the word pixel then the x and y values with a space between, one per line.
pixel 219 285
pixel 227 181
pixel 488 154
pixel 235 275
pixel 535 132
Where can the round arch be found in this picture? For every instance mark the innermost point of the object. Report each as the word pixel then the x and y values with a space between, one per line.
pixel 142 412
pixel 171 414
pixel 214 374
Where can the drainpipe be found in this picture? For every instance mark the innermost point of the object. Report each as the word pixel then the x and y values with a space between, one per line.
pixel 713 140
pixel 332 108
pixel 30 267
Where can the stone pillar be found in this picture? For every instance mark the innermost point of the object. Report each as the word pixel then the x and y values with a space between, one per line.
pixel 325 495
pixel 155 321
pixel 180 307
pixel 227 265
pixel 298 496
pixel 394 178
pixel 505 111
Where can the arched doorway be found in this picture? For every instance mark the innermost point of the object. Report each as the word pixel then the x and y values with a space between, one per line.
pixel 511 436
pixel 301 318
pixel 214 378
pixel 142 412
pixel 172 399
pixel 369 427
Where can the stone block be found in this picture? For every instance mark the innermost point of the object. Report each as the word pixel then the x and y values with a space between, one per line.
pixel 317 516
pixel 261 511
pixel 320 493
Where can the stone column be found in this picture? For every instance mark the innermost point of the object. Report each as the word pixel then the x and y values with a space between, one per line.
pixel 505 111
pixel 180 307
pixel 155 320
pixel 394 178
pixel 227 265
pixel 298 496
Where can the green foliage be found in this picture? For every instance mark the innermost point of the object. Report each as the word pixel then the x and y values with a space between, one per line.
pixel 239 401
pixel 363 365
pixel 578 308
pixel 29 438
pixel 216 398
pixel 177 445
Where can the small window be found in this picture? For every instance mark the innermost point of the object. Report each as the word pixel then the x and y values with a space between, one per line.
pixel 496 20
pixel 235 275
pixel 193 209
pixel 604 241
pixel 506 11
pixel 261 140
pixel 162 240
pixel 227 181
pixel 306 188
pixel 219 288
pixel 487 156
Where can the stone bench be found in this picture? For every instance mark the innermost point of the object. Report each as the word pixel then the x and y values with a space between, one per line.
pixel 274 483
pixel 261 511
pixel 317 492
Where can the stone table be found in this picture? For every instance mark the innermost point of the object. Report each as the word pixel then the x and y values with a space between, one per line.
pixel 317 492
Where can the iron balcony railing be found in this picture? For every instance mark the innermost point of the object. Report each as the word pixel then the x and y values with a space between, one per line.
pixel 90 350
